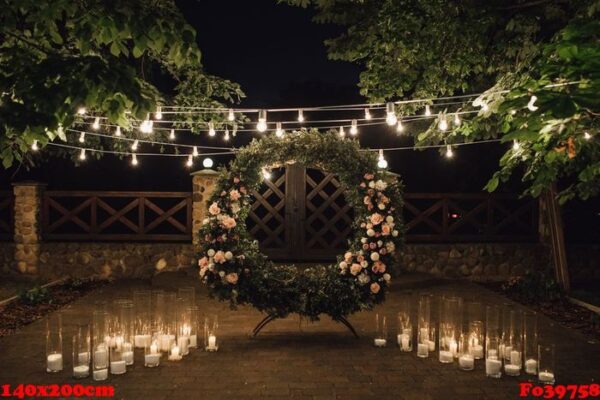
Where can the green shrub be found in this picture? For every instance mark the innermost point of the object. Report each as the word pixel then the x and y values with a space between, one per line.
pixel 534 287
pixel 34 296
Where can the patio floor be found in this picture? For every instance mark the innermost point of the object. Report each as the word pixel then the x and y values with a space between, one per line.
pixel 295 360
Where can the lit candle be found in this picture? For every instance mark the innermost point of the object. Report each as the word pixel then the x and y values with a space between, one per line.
pixel 81 371
pixel 377 342
pixel 101 357
pixel 492 367
pixel 54 363
pixel 512 369
pixel 446 356
pixel 515 358
pixel 100 374
pixel 175 354
pixel 128 353
pixel 118 367
pixel 212 342
pixel 141 341
pixel 466 362
pixel 165 342
pixel 182 342
pixel 404 341
pixel 477 351
pixel 431 344
pixel 423 350
pixel 193 341
pixel 453 347
pixel 546 377
pixel 531 366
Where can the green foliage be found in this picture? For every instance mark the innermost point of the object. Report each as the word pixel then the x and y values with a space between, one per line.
pixel 282 289
pixel 37 295
pixel 534 287
pixel 107 56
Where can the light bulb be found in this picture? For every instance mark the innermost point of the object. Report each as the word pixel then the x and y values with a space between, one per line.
pixel 211 129
pixel 207 163
pixel 266 173
pixel 300 116
pixel 81 111
pixel 391 118
pixel 368 114
pixel 399 127
pixel 190 161
pixel 82 155
pixel 234 131
pixel 427 110
pixel 158 113
pixel 443 124
pixel 226 137
pixel 60 130
pixel 146 125
pixel 354 128
pixel 195 151
pixel 135 144
pixel 449 152
pixel 279 130
pixel 516 145
pixel 231 115
pixel 134 160
pixel 82 137
pixel 341 132
pixel 261 126
pixel 531 105
pixel 34 146
pixel 96 124
pixel 118 131
pixel 382 163
pixel 587 136
pixel 513 112
pixel 172 135
pixel 456 119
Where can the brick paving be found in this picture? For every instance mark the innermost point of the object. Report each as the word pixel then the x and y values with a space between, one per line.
pixel 295 359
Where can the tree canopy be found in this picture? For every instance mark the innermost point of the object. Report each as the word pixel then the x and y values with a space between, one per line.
pixel 512 50
pixel 115 58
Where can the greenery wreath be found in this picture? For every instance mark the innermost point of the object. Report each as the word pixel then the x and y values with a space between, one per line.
pixel 233 267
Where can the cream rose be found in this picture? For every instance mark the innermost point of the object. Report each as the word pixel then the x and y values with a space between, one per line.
pixel 231 278
pixel 214 209
pixel 375 287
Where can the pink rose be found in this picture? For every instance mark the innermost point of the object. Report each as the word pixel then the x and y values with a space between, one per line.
pixel 355 269
pixel 375 287
pixel 369 176
pixel 360 258
pixel 372 246
pixel 367 200
pixel 234 195
pixel 229 223
pixel 236 180
pixel 214 209
pixel 385 229
pixel 365 246
pixel 231 278
pixel 219 257
pixel 203 262
pixel 383 252
pixel 376 219
pixel 363 185
pixel 379 267
pixel 347 256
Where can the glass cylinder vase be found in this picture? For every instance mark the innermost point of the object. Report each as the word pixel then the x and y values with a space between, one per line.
pixel 493 360
pixel 466 360
pixel 405 326
pixel 530 342
pixel 118 364
pixel 100 360
pixel 513 344
pixel 152 353
pixel 184 327
pixel 142 323
pixel 194 318
pixel 450 325
pixel 425 326
pixel 81 352
pixel 546 364
pixel 380 338
pixel 475 333
pixel 211 327
pixel 54 356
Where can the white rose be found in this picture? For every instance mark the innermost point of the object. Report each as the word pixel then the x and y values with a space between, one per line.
pixel 364 264
pixel 210 252
pixel 211 267
pixel 379 243
pixel 221 274
pixel 228 255
pixel 364 240
pixel 205 221
pixel 374 256
pixel 364 279
pixel 389 219
pixel 390 247
pixel 343 265
pixel 387 277
pixel 371 184
pixel 395 233
pixel 381 206
pixel 370 232
pixel 380 185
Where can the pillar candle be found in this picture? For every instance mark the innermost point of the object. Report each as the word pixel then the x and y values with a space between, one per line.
pixel 446 356
pixel 377 342
pixel 193 341
pixel 477 351
pixel 531 366
pixel 492 367
pixel 54 363
pixel 100 374
pixel 546 377
pixel 81 371
pixel 466 362
pixel 512 369
pixel 423 350
pixel 118 367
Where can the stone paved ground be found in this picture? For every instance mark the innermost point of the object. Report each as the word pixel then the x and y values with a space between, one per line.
pixel 296 360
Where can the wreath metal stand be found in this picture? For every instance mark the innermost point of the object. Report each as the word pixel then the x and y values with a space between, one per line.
pixel 271 317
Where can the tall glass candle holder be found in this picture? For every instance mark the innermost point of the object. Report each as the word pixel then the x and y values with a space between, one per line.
pixel 450 328
pixel 118 364
pixel 188 295
pixel 81 352
pixel 126 328
pixel 157 309
pixel 100 361
pixel 142 329
pixel 475 336
pixel 530 342
pixel 184 327
pixel 211 327
pixel 405 327
pixel 492 321
pixel 194 314
pixel 380 339
pixel 152 353
pixel 505 328
pixel 546 364
pixel 513 344
pixel 424 326
pixel 100 329
pixel 466 360
pixel 54 356
pixel 493 360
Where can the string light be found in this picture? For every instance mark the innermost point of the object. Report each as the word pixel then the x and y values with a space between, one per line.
pixel 172 135
pixel 449 152
pixel 190 161
pixel 484 106
pixel 81 111
pixel 341 132
pixel 34 145
pixel 96 124
pixel 354 128
pixel 427 110
pixel 443 124
pixel 261 126
pixel 587 136
pixel 512 112
pixel 207 162
pixel 266 173
pixel 300 115
pixel 531 105
pixel 231 115
pixel 368 116
pixel 211 129
pixel 516 146
pixel 134 160
pixel 195 151
pixel 158 113
pixel 235 129
pixel 399 127
pixel 82 155
pixel 279 130
pixel 226 137
pixel 146 125
pixel 82 137
pixel 382 163
pixel 118 131
pixel 456 119
pixel 135 145
pixel 391 118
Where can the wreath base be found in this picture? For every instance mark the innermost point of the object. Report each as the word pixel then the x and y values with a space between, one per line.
pixel 272 317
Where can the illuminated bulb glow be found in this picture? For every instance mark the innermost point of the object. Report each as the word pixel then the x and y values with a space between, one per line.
pixel 226 137
pixel 207 163
pixel 158 113
pixel 382 163
pixel 427 110
pixel 443 124
pixel 81 111
pixel 211 129
pixel 82 137
pixel 195 151
pixel 82 155
pixel 96 124
pixel 135 144
pixel 266 173
pixel 34 146
pixel 146 125
pixel 391 118
pixel 279 130
pixel 456 119
pixel 190 161
pixel 354 128
pixel 531 105
pixel 368 114
pixel 134 160
pixel 449 152
pixel 587 136
pixel 516 145
pixel 172 134
pixel 300 116
pixel 342 133
pixel 399 127
pixel 261 126
pixel 231 115
pixel 118 131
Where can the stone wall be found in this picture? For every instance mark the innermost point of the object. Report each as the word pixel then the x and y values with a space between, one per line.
pixel 477 261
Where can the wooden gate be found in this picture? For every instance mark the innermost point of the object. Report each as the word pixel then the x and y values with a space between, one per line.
pixel 300 214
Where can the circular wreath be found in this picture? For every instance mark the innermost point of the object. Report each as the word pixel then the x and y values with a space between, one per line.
pixel 233 267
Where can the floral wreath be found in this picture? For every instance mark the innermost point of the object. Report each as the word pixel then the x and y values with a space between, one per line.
pixel 235 270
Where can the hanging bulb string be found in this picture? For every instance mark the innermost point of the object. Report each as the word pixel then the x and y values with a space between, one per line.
pixel 130 153
pixel 436 146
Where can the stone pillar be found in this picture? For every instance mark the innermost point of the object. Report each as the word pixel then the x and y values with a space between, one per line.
pixel 28 226
pixel 203 186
